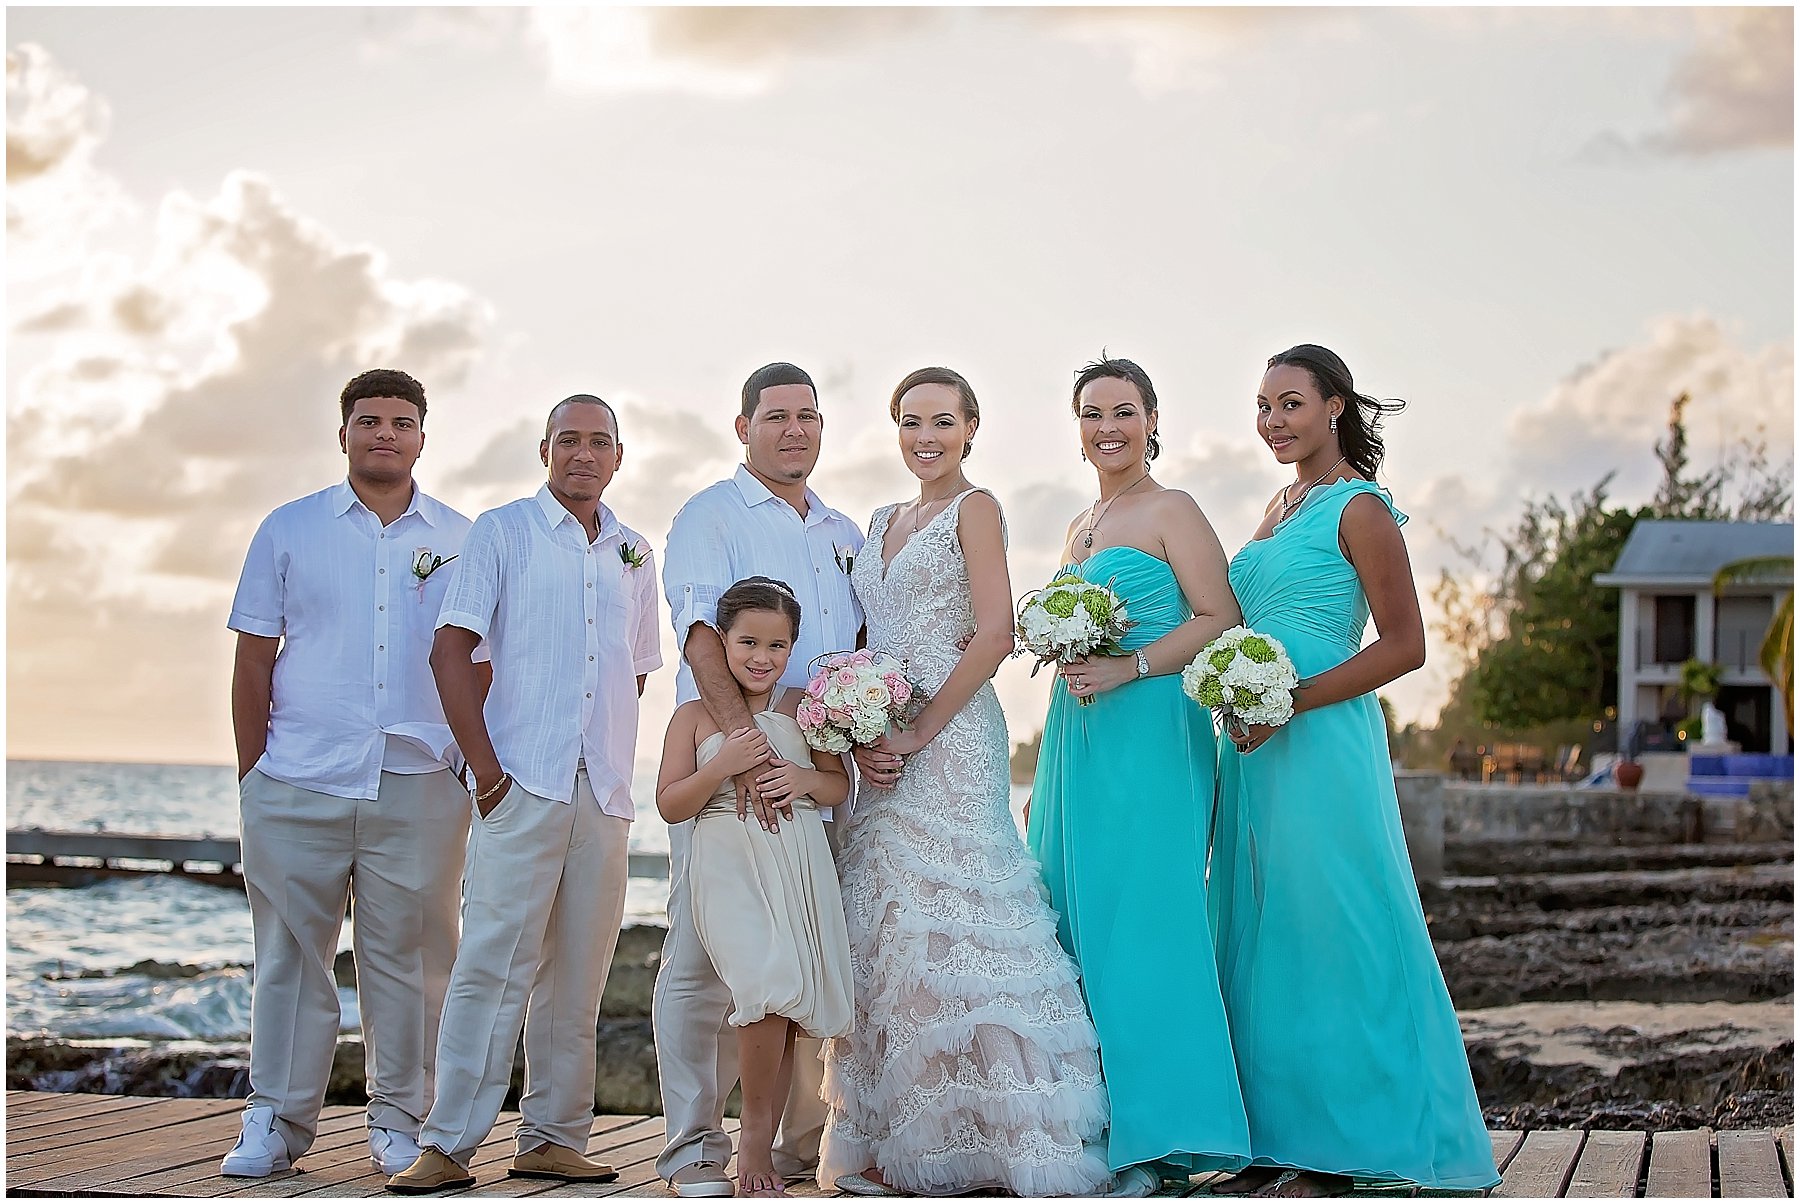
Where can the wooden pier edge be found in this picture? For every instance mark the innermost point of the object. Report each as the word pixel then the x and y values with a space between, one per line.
pixel 107 1146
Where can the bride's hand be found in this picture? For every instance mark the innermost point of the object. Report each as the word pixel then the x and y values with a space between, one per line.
pixel 903 742
pixel 1090 675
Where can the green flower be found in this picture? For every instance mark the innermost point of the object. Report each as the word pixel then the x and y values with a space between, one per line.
pixel 1060 603
pixel 1221 659
pixel 1211 695
pixel 1258 650
pixel 1099 608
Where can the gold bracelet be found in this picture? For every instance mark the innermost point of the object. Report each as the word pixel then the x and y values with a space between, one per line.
pixel 495 788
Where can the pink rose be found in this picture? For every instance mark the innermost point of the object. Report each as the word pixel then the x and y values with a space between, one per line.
pixel 816 687
pixel 899 689
pixel 838 715
pixel 862 656
pixel 845 677
pixel 809 713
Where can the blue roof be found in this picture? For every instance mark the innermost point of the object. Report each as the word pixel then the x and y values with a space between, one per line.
pixel 1679 551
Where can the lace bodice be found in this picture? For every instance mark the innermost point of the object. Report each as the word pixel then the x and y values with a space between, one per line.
pixel 918 608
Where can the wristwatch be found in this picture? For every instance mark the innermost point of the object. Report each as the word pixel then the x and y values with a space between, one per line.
pixel 1143 663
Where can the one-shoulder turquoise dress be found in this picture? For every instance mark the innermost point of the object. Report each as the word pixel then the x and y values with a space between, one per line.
pixel 1120 812
pixel 1347 1044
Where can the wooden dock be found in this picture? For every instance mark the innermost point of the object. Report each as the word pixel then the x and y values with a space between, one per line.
pixel 44 856
pixel 110 1146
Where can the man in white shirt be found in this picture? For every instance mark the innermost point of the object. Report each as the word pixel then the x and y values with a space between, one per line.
pixel 762 520
pixel 345 783
pixel 565 598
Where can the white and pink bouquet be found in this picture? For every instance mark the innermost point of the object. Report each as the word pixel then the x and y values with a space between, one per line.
pixel 854 696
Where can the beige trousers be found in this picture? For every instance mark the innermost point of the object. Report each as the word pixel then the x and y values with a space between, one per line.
pixel 306 854
pixel 543 897
pixel 696 1049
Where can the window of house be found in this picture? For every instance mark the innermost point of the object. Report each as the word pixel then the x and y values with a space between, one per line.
pixel 1674 628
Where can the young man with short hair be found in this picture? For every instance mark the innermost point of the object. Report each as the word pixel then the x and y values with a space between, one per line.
pixel 346 787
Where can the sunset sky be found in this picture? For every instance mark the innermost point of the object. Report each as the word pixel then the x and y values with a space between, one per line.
pixel 1535 225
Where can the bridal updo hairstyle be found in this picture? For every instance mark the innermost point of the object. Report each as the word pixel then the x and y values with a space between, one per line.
pixel 1359 426
pixel 971 409
pixel 1120 370
pixel 757 593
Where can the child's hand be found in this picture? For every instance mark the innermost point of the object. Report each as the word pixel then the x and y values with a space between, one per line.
pixel 781 781
pixel 744 749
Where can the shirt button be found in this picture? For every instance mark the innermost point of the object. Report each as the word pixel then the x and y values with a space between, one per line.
pixel 590 622
pixel 381 647
pixel 590 695
pixel 381 570
pixel 590 585
pixel 590 658
pixel 381 608
pixel 381 685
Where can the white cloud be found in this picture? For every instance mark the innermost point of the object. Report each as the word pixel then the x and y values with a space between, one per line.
pixel 1735 89
pixel 56 199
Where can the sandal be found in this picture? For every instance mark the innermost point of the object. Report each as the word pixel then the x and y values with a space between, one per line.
pixel 1330 1186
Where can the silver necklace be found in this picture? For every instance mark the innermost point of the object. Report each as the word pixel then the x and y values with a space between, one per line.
pixel 1094 519
pixel 1287 507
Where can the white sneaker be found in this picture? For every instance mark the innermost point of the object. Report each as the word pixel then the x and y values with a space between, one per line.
pixel 392 1151
pixel 259 1151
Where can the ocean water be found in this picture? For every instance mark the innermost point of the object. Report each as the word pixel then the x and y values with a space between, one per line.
pixel 68 949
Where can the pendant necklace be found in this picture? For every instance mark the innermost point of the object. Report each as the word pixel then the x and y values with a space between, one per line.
pixel 1094 519
pixel 1288 507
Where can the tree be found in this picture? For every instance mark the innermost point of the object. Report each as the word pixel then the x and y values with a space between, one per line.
pixel 1540 643
pixel 1777 652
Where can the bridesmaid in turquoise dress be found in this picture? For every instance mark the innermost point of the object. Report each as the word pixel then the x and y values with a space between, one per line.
pixel 1122 804
pixel 1349 1049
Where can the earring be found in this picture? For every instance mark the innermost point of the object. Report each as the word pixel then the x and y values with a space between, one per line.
pixel 1334 424
pixel 1084 455
pixel 967 448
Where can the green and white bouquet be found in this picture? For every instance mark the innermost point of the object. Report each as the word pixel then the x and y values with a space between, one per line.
pixel 1071 618
pixel 1245 676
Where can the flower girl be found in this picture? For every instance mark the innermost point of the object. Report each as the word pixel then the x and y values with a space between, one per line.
pixel 766 904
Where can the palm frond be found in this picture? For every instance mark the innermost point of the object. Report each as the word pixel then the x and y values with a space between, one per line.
pixel 1755 570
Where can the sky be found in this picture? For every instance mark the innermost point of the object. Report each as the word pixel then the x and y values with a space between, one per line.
pixel 1537 226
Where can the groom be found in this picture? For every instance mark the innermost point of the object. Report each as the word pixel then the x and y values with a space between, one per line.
pixel 761 520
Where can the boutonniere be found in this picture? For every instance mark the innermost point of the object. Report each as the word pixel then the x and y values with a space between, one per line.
pixel 425 563
pixel 633 557
pixel 845 557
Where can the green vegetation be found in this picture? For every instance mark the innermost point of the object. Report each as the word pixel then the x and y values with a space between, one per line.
pixel 1777 652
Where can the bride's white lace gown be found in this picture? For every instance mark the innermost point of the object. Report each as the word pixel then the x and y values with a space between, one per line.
pixel 972 1060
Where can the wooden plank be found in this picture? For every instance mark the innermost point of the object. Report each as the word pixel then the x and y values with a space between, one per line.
pixel 173 1174
pixel 1506 1144
pixel 102 1163
pixel 1542 1167
pixel 1609 1166
pixel 123 1126
pixel 1680 1165
pixel 54 1115
pixel 1749 1166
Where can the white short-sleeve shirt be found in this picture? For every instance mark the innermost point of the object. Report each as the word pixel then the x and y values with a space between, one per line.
pixel 569 626
pixel 736 528
pixel 353 692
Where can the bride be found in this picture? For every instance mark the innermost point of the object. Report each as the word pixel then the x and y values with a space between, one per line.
pixel 972 1062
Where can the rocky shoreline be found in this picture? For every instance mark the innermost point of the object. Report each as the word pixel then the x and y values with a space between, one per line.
pixel 1646 987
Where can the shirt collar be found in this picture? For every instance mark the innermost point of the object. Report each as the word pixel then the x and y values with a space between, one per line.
pixel 555 512
pixel 755 493
pixel 343 497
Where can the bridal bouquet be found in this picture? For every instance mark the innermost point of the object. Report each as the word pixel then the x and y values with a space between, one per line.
pixel 1071 618
pixel 1246 676
pixel 854 696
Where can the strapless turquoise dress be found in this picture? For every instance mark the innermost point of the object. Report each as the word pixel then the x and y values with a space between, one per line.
pixel 1351 1056
pixel 1120 812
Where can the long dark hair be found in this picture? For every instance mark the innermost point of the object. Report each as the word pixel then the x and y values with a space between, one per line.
pixel 1359 426
pixel 1120 369
pixel 758 593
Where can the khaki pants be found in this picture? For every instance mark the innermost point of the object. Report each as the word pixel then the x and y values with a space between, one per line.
pixel 542 902
pixel 696 1049
pixel 306 855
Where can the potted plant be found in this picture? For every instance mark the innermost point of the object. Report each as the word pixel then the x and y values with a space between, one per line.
pixel 1700 681
pixel 1628 773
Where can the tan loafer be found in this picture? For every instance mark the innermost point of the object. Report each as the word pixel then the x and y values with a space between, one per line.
pixel 552 1161
pixel 433 1170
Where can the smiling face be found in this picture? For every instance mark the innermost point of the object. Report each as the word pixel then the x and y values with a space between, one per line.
pixel 782 436
pixel 933 431
pixel 1115 427
pixel 1292 418
pixel 757 646
pixel 582 451
pixel 382 439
